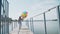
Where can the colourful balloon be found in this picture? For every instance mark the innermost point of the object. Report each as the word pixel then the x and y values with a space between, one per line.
pixel 24 15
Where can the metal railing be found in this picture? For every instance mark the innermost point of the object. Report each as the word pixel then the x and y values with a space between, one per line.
pixel 47 16
pixel 13 25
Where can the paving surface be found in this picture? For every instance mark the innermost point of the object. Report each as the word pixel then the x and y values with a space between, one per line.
pixel 24 30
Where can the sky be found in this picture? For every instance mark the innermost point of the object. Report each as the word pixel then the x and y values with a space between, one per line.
pixel 33 7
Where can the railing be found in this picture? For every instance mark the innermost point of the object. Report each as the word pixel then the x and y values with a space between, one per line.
pixel 4 27
pixel 47 22
pixel 13 25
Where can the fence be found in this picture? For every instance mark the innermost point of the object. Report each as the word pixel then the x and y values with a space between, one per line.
pixel 47 22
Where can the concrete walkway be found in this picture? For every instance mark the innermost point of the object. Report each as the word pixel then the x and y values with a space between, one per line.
pixel 24 30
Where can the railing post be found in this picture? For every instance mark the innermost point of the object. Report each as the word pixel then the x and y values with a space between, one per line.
pixel 12 26
pixel 16 23
pixel 58 17
pixel 8 27
pixel 27 23
pixel 32 24
pixel 0 15
pixel 45 23
pixel 2 27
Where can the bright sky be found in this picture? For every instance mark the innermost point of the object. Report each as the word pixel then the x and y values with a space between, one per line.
pixel 34 7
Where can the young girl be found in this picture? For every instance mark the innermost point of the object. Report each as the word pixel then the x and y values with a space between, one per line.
pixel 20 22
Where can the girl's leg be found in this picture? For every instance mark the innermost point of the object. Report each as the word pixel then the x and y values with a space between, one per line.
pixel 19 26
pixel 19 29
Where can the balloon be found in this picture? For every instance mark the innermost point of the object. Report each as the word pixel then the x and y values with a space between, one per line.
pixel 24 15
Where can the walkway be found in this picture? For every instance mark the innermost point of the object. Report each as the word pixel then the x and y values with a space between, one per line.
pixel 24 30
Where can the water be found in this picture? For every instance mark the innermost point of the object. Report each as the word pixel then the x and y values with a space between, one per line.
pixel 52 27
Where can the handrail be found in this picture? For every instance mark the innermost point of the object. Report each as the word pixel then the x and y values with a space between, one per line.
pixel 45 11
